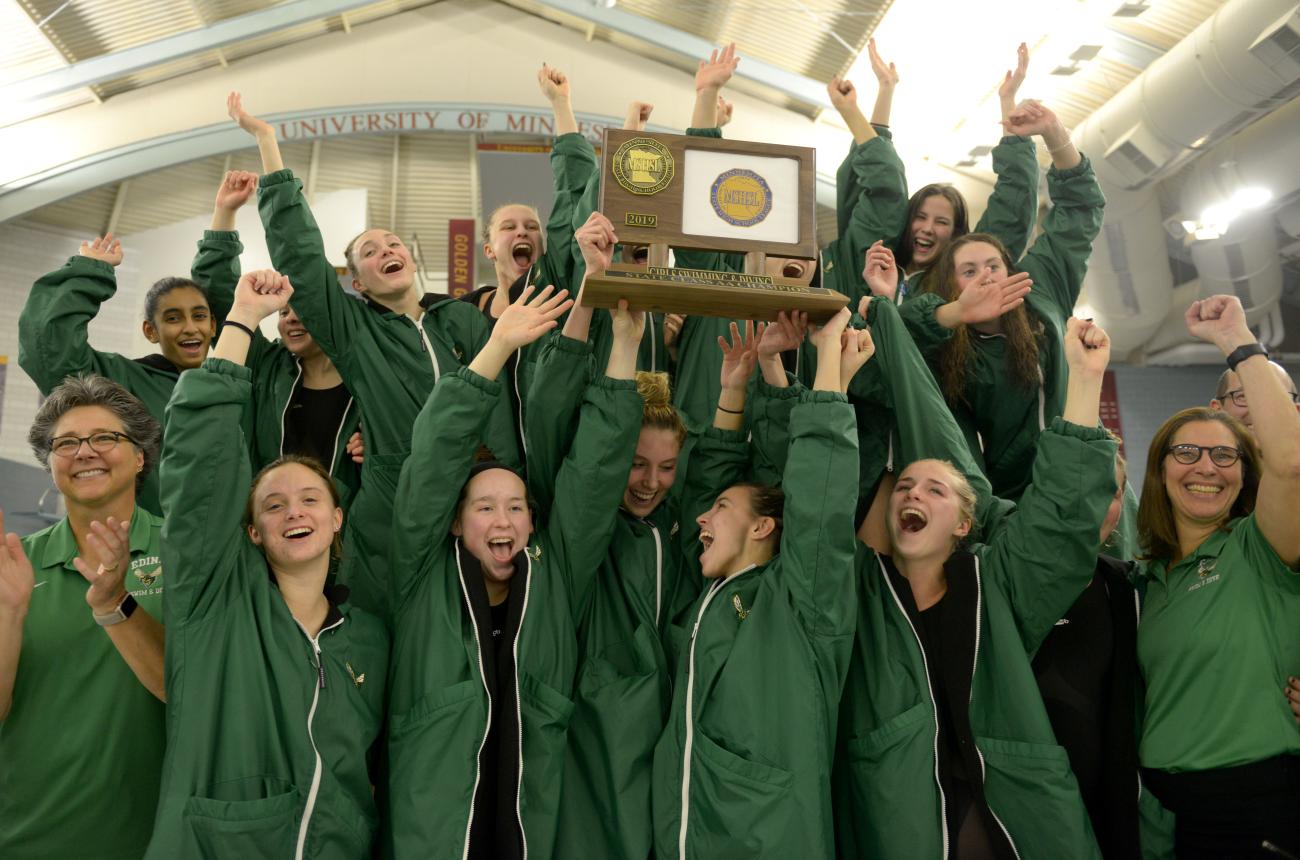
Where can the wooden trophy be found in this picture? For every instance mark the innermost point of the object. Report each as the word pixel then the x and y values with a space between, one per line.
pixel 672 190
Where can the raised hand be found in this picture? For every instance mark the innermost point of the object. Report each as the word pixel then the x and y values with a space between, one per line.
pixel 356 447
pixel 554 83
pixel 16 577
pixel 881 271
pixel 724 111
pixel 673 331
pixel 105 566
pixel 248 122
pixel 530 316
pixel 842 93
pixel 714 72
pixel 638 114
pixel 235 189
pixel 628 324
pixel 1087 347
pixel 104 248
pixel 827 336
pixel 886 74
pixel 785 333
pixel 261 293
pixel 985 302
pixel 739 357
pixel 1011 82
pixel 1032 117
pixel 856 349
pixel 596 240
pixel 1219 320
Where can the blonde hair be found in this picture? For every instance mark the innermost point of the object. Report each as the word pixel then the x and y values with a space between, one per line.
pixel 487 225
pixel 657 410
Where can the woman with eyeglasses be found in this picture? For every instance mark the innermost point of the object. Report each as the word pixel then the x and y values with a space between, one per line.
pixel 81 646
pixel 1219 632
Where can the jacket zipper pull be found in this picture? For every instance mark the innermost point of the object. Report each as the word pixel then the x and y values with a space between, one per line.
pixel 320 665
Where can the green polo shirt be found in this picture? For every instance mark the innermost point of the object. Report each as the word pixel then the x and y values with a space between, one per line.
pixel 81 750
pixel 1218 636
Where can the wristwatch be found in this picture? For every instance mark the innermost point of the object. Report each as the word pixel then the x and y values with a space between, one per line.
pixel 1241 353
pixel 118 615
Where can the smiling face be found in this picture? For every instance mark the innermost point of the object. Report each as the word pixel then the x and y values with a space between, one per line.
pixel 731 532
pixel 94 478
pixel 1233 400
pixel 928 515
pixel 931 229
pixel 494 522
pixel 294 516
pixel 182 326
pixel 294 336
pixel 654 469
pixel 514 241
pixel 1202 493
pixel 634 255
pixel 382 264
pixel 978 263
pixel 790 268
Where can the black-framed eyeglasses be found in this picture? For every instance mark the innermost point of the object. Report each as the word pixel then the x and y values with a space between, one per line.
pixel 1238 396
pixel 100 443
pixel 1220 455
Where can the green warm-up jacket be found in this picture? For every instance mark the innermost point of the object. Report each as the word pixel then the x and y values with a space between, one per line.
pixel 276 373
pixel 388 361
pixel 1001 418
pixel 743 767
pixel 440 702
pixel 626 637
pixel 52 342
pixel 889 803
pixel 269 731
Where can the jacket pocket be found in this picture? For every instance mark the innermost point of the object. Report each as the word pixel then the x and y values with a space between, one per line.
pixel 739 808
pixel 436 707
pixel 1031 789
pixel 218 827
pixel 884 736
pixel 889 798
pixel 624 660
pixel 545 713
pixel 340 828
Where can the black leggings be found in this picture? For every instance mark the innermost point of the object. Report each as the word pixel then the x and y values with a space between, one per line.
pixel 1231 812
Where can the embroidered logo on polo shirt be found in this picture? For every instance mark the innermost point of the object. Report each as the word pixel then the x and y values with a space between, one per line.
pixel 148 577
pixel 1205 574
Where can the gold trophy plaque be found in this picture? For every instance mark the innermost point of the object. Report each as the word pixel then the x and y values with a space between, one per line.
pixel 671 190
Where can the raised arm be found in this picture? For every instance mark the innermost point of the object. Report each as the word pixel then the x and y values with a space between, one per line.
pixel 574 169
pixel 216 265
pixel 1044 556
pixel 1058 259
pixel 52 341
pixel 710 78
pixel 1220 320
pixel 592 477
pixel 267 146
pixel 1012 208
pixel 16 584
pixel 930 319
pixel 447 433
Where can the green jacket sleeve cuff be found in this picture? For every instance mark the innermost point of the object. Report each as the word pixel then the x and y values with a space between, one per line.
pixel 221 236
pixel 275 178
pixel 571 345
pixel 716 131
pixel 1084 166
pixel 90 265
pixel 763 389
pixel 611 384
pixel 725 437
pixel 921 315
pixel 572 143
pixel 1061 427
pixel 812 395
pixel 884 131
pixel 228 368
pixel 491 387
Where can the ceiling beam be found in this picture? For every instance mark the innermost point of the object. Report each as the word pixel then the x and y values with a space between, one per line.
pixel 798 87
pixel 119 64
pixel 1131 50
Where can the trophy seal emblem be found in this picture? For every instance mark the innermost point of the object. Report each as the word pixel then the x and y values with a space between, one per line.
pixel 741 197
pixel 643 165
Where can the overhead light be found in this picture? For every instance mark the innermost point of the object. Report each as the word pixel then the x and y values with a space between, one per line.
pixel 1081 55
pixel 1251 197
pixel 1218 217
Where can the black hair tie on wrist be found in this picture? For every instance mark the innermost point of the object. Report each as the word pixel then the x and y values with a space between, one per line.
pixel 245 329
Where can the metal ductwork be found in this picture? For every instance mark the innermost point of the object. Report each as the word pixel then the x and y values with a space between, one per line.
pixel 1237 66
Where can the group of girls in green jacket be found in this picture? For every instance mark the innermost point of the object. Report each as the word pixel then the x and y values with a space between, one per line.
pixel 819 591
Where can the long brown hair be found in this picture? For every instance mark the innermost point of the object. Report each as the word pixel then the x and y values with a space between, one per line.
pixel 1020 330
pixel 960 218
pixel 1157 530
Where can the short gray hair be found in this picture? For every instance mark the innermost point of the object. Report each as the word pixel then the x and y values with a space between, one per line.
pixel 91 390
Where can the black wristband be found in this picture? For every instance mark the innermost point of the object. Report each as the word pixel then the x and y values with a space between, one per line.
pixel 245 329
pixel 731 411
pixel 1241 353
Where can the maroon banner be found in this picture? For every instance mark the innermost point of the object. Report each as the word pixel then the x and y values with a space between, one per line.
pixel 460 257
pixel 1110 406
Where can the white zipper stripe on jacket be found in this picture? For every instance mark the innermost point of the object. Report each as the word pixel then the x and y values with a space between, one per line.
pixel 478 650
pixel 428 344
pixel 338 438
pixel 314 791
pixel 1137 607
pixel 519 713
pixel 1042 400
pixel 979 607
pixel 284 413
pixel 659 572
pixel 654 354
pixel 690 717
pixel 934 705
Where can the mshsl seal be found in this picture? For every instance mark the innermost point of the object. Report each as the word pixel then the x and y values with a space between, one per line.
pixel 741 197
pixel 643 165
